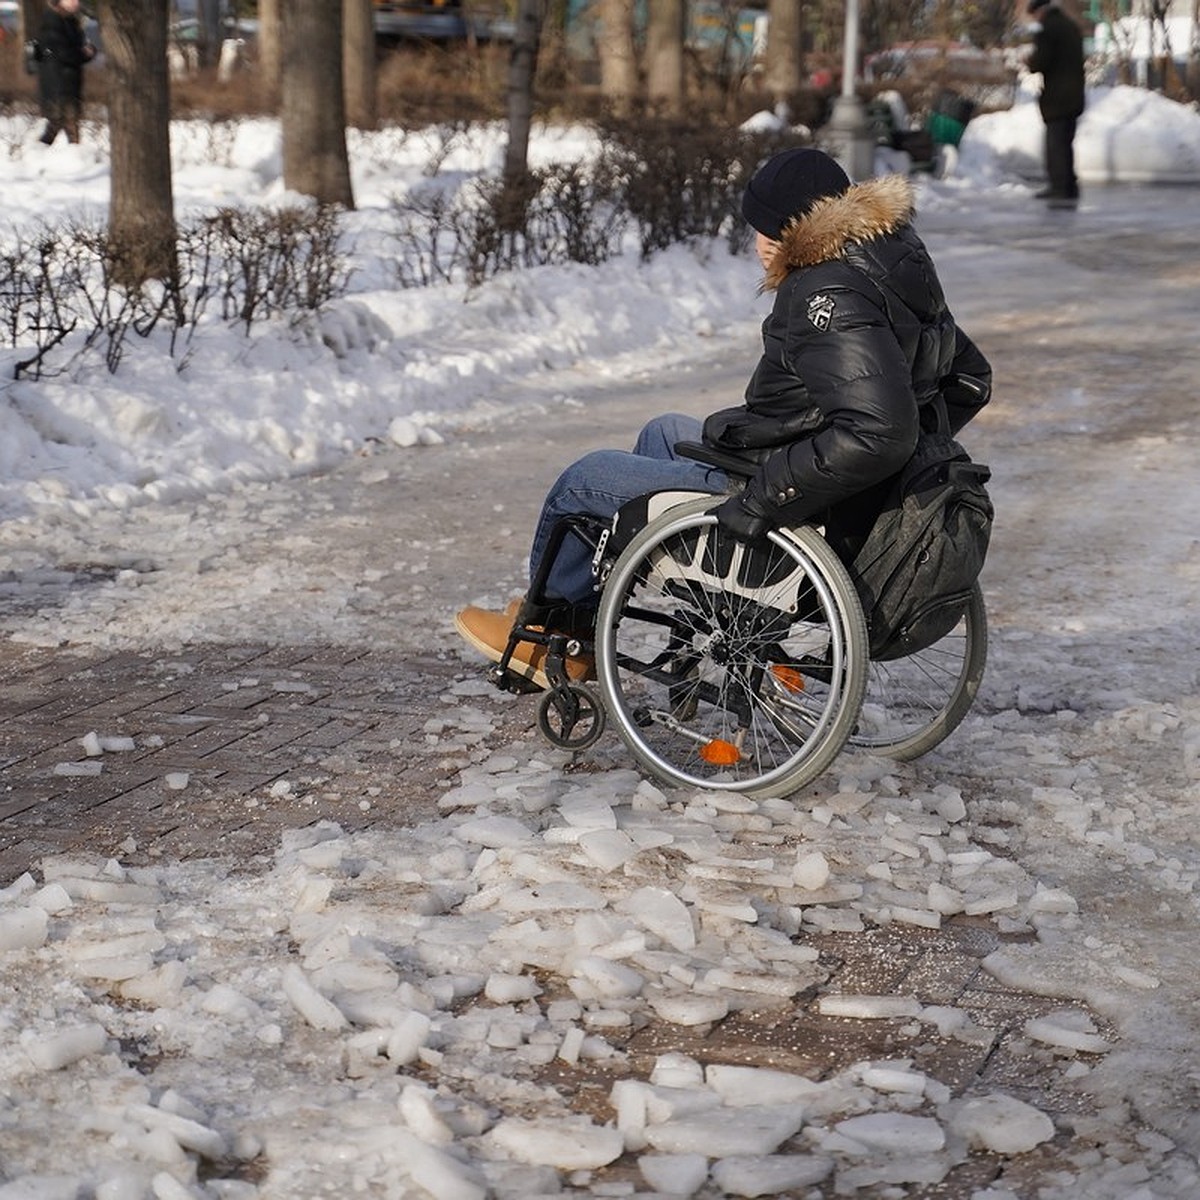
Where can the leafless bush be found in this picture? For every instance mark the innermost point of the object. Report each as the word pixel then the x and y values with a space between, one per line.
pixel 683 179
pixel 425 235
pixel 37 296
pixel 566 213
pixel 265 262
pixel 70 279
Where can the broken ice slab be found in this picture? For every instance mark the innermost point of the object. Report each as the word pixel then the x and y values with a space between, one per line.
pixel 869 1008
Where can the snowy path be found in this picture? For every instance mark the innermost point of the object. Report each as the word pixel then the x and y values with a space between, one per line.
pixel 1080 772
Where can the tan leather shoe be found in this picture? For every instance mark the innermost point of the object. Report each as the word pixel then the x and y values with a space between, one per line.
pixel 489 631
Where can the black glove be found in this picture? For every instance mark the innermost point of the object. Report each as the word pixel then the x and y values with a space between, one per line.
pixel 745 516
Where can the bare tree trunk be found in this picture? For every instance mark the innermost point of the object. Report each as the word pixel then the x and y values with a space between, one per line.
pixel 522 66
pixel 358 30
pixel 270 50
pixel 141 218
pixel 209 40
pixel 315 162
pixel 31 18
pixel 784 24
pixel 1193 62
pixel 618 55
pixel 665 32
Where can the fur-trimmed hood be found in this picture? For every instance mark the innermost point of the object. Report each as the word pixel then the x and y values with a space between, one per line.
pixel 864 211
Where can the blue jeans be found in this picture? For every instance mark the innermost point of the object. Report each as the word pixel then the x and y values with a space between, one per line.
pixel 600 482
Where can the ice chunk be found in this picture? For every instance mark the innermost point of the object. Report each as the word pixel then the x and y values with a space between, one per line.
pixel 771 1175
pixel 1069 1029
pixel 758 1085
pixel 53 1051
pixel 586 811
pixel 418 1107
pixel 723 1132
pixel 550 897
pixel 508 989
pixel 611 980
pixel 993 902
pixel 571 1045
pixel 53 898
pixel 191 1135
pixel 674 1174
pixel 868 1008
pixel 1129 975
pixel 570 1144
pixel 664 915
pixel 943 899
pixel 811 871
pixel 408 1035
pixel 176 781
pixel 999 1123
pixel 608 849
pixel 309 1003
pixel 23 929
pixel 894 1078
pixel 494 832
pixel 894 1133
pixel 676 1070
pixel 680 1008
pixel 165 1186
pixel 92 767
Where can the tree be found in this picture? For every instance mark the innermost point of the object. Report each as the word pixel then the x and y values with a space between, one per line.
pixel 666 24
pixel 358 30
pixel 270 50
pixel 208 40
pixel 315 161
pixel 141 217
pixel 618 55
pixel 522 66
pixel 783 59
pixel 31 17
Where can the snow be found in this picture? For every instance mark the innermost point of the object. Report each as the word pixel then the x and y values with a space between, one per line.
pixel 375 1013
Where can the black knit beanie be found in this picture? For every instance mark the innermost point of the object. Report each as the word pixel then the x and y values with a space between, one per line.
pixel 787 185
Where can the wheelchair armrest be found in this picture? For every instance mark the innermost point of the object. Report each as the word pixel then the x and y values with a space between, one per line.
pixel 726 460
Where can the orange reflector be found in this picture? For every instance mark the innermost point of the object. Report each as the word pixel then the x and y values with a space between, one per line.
pixel 720 753
pixel 789 677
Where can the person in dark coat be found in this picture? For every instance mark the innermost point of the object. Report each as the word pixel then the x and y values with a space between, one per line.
pixel 860 350
pixel 63 50
pixel 1057 56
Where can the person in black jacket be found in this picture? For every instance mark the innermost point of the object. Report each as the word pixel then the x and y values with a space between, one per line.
pixel 1057 56
pixel 62 52
pixel 859 351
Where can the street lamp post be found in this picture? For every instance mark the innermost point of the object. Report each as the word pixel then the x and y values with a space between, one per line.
pixel 853 142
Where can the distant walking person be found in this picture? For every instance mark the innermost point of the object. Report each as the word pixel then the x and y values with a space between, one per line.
pixel 1058 57
pixel 62 52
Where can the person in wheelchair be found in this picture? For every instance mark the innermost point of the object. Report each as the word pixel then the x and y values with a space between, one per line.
pixel 860 351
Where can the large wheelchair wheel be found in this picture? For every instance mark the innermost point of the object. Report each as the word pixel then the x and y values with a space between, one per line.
pixel 729 668
pixel 914 703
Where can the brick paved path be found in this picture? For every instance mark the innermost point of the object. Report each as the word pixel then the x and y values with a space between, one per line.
pixel 267 738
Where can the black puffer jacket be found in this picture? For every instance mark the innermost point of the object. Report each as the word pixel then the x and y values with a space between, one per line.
pixel 859 345
pixel 64 50
pixel 1058 57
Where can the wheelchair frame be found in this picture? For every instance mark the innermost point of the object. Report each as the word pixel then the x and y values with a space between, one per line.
pixel 733 669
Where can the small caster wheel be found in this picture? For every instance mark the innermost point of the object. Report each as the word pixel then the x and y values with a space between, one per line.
pixel 571 717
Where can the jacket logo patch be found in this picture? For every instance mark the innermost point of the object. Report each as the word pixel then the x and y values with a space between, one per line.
pixel 820 311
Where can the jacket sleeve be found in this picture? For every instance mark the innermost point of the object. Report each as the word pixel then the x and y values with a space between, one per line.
pixel 840 343
pixel 968 387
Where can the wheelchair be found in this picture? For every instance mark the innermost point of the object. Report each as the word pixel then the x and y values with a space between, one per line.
pixel 733 668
